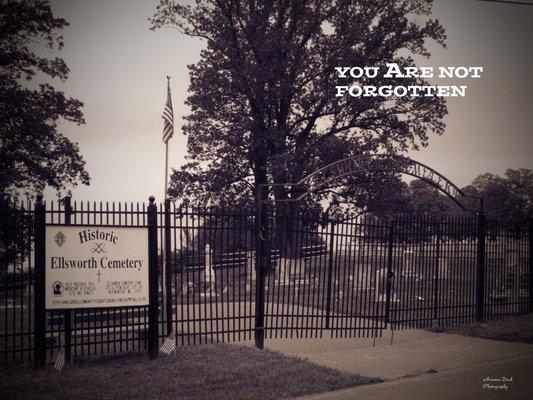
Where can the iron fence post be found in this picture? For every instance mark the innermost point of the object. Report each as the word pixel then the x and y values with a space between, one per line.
pixel 530 261
pixel 168 263
pixel 67 314
pixel 437 273
pixel 330 273
pixel 259 331
pixel 153 307
pixel 39 338
pixel 480 272
pixel 390 273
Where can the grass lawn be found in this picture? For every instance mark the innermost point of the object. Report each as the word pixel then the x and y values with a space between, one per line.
pixel 518 329
pixel 218 371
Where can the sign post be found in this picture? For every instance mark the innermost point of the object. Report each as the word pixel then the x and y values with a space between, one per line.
pixel 153 309
pixel 39 338
pixel 68 314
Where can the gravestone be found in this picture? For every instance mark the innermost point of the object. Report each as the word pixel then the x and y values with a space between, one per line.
pixel 250 270
pixel 209 272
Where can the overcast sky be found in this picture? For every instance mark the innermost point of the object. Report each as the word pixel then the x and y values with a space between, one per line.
pixel 118 68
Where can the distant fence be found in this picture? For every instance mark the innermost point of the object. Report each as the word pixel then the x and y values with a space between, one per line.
pixel 349 279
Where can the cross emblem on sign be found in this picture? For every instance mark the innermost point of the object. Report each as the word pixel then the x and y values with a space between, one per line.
pixel 98 248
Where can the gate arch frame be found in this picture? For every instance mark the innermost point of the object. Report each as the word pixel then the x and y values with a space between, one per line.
pixel 374 162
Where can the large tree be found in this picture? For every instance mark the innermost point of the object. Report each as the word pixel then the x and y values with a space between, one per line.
pixel 33 152
pixel 262 97
pixel 507 196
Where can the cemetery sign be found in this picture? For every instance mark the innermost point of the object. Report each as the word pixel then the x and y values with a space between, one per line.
pixel 95 266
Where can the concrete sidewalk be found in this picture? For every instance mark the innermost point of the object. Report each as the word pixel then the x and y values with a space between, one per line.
pixel 419 364
pixel 453 384
pixel 413 352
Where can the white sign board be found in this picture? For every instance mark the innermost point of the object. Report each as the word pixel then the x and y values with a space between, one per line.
pixel 94 266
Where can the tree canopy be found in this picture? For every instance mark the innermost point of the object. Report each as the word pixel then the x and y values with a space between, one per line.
pixel 33 153
pixel 262 96
pixel 507 196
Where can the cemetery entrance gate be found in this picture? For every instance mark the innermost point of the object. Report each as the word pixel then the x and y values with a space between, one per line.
pixel 317 275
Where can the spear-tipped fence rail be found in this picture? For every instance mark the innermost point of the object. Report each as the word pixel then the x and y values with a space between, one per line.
pixel 338 279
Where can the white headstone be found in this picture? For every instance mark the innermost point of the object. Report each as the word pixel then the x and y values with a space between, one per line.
pixel 209 272
pixel 283 271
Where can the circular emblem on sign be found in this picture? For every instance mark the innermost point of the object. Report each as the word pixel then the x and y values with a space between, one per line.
pixel 60 238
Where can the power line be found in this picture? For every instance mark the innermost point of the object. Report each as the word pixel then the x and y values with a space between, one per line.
pixel 523 3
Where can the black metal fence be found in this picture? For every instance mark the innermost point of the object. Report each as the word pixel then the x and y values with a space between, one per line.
pixel 83 331
pixel 319 277
pixel 212 273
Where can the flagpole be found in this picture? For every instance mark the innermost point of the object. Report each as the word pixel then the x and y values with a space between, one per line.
pixel 166 153
pixel 163 242
pixel 166 170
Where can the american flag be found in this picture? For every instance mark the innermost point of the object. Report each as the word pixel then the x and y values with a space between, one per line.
pixel 169 345
pixel 168 116
pixel 60 361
